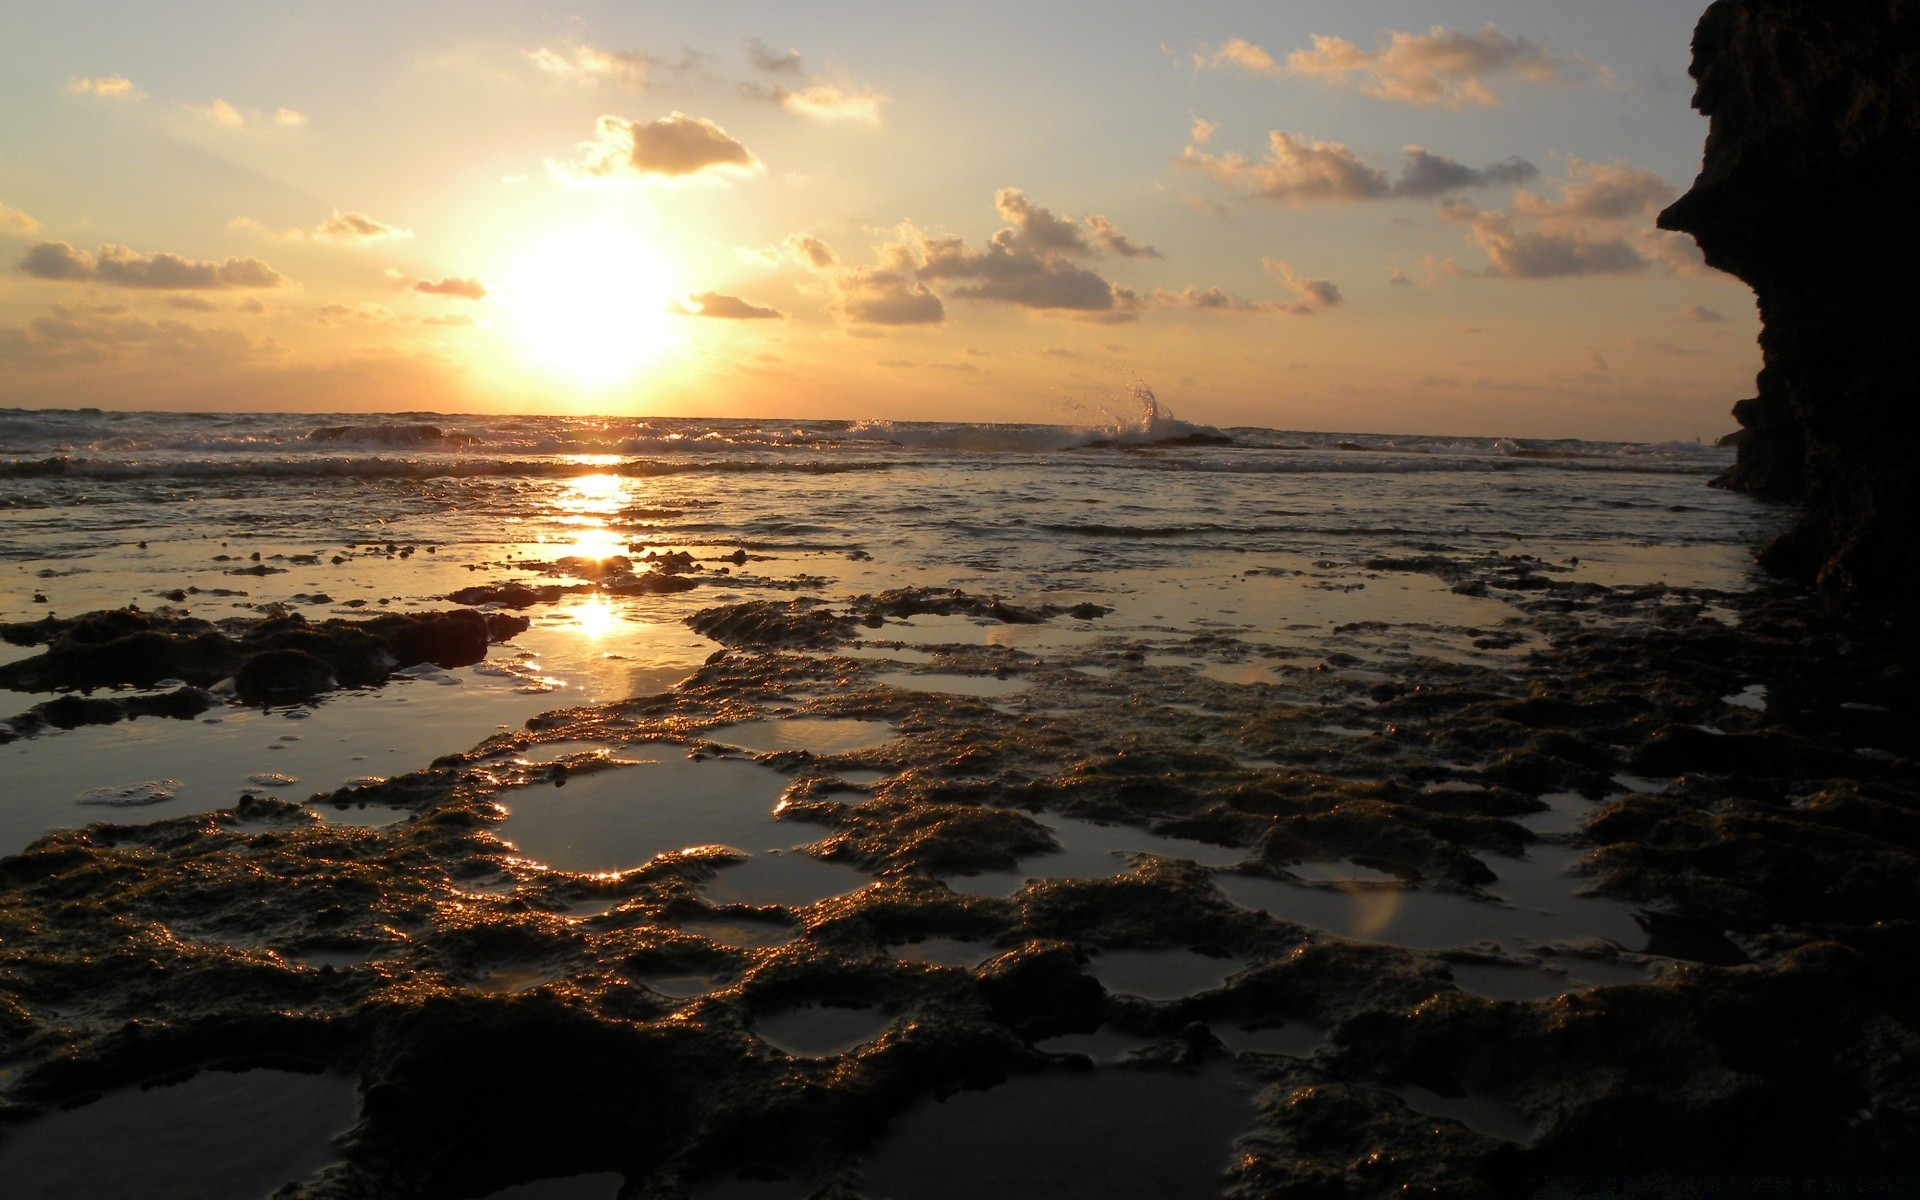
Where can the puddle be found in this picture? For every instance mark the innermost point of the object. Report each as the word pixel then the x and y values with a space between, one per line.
pixel 1542 908
pixel 1753 696
pixel 373 816
pixel 1522 981
pixel 1335 872
pixel 889 653
pixel 218 1135
pixel 1243 674
pixel 821 1030
pixel 555 751
pixel 861 776
pixel 741 935
pixel 1090 850
pixel 620 818
pixel 1104 1045
pixel 603 1186
pixel 945 952
pixel 1565 811
pixel 1296 1039
pixel 1482 1114
pixel 793 879
pixel 1161 974
pixel 682 987
pixel 819 735
pixel 1117 1133
pixel 505 981
pixel 983 686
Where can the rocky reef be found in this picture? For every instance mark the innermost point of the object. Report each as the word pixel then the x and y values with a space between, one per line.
pixel 1815 120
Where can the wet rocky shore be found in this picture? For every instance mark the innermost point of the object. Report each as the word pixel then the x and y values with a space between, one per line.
pixel 1642 899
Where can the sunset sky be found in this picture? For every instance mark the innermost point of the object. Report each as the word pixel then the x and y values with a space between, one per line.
pixel 1432 218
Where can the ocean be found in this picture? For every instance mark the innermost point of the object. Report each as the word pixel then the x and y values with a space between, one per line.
pixel 820 801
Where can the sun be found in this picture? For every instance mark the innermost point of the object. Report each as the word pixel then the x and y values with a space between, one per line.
pixel 593 303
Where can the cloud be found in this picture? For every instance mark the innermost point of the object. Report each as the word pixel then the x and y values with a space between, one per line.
pixel 226 115
pixel 830 102
pixel 1516 252
pixel 1238 54
pixel 1320 293
pixel 675 147
pixel 812 251
pixel 67 336
pixel 448 319
pixel 1036 228
pixel 12 220
pixel 1112 241
pixel 192 303
pixel 1699 312
pixel 356 228
pixel 105 87
pixel 715 304
pixel 1296 168
pixel 1599 192
pixel 773 62
pixel 1214 300
pixel 1426 174
pixel 626 70
pixel 1441 66
pixel 883 296
pixel 117 266
pixel 339 314
pixel 1302 170
pixel 1398 278
pixel 1676 252
pixel 1203 130
pixel 343 228
pixel 464 289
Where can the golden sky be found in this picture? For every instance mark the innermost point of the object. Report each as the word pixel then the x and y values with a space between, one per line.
pixel 1432 218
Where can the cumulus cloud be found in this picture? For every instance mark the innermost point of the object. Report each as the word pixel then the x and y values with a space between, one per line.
pixel 117 266
pixel 1215 300
pixel 1441 66
pixel 812 250
pixel 105 87
pixel 674 147
pixel 463 289
pixel 1319 293
pixel 1599 192
pixel 1675 252
pixel 12 220
pixel 1112 241
pixel 733 308
pixel 831 102
pixel 887 296
pixel 1517 252
pixel 221 113
pixel 1035 227
pixel 1303 170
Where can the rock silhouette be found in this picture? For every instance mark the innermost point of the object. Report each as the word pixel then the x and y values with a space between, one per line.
pixel 1805 193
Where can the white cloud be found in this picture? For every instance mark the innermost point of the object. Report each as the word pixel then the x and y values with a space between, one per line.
pixel 1441 66
pixel 105 87
pixel 12 220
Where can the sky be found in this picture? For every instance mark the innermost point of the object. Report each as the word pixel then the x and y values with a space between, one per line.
pixel 1361 216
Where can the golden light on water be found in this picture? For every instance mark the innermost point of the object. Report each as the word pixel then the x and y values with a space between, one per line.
pixel 592 303
pixel 594 617
pixel 587 506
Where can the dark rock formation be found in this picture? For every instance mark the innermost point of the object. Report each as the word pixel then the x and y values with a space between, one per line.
pixel 1815 122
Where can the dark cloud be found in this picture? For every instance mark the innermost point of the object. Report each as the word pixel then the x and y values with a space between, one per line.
pixel 1319 293
pixel 1303 171
pixel 1699 312
pixel 772 61
pixel 464 289
pixel 1599 192
pixel 1114 242
pixel 715 304
pixel 1426 175
pixel 676 146
pixel 1216 300
pixel 117 266
pixel 883 296
pixel 1036 228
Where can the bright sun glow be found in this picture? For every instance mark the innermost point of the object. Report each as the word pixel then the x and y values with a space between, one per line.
pixel 593 303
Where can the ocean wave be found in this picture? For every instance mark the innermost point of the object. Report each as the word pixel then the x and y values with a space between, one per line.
pixel 68 467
